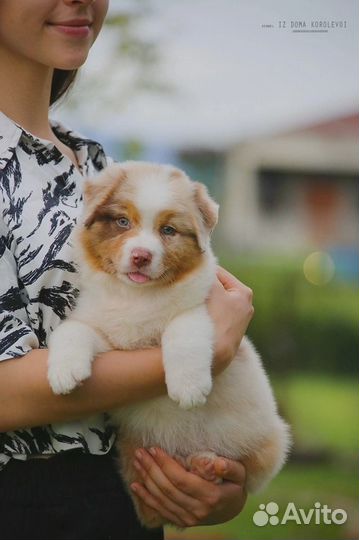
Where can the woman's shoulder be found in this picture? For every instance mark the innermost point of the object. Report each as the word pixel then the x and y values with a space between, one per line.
pixel 23 153
pixel 10 134
pixel 78 142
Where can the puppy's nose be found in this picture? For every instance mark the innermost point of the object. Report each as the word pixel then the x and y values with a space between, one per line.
pixel 140 257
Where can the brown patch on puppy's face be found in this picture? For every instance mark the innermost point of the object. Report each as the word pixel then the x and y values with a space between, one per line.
pixel 108 232
pixel 208 210
pixel 182 251
pixel 110 219
pixel 98 192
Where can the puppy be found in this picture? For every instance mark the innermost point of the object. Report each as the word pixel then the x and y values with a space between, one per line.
pixel 146 269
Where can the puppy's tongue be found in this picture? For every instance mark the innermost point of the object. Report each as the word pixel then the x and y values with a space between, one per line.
pixel 137 277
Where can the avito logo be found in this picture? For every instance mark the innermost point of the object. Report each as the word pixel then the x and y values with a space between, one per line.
pixel 319 514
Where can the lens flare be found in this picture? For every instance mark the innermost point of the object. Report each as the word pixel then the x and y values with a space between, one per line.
pixel 319 268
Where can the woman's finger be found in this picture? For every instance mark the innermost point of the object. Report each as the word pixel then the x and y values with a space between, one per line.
pixel 230 470
pixel 153 503
pixel 195 487
pixel 171 507
pixel 171 478
pixel 231 283
pixel 228 280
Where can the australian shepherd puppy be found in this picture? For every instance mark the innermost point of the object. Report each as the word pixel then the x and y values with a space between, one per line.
pixel 146 269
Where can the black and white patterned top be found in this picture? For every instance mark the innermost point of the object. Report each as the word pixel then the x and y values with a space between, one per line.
pixel 40 200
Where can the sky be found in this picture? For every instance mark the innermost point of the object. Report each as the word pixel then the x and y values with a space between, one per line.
pixel 233 77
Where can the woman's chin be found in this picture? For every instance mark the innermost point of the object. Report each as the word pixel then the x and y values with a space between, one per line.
pixel 71 63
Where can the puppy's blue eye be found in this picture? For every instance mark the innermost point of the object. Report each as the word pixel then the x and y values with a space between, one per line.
pixel 167 230
pixel 123 222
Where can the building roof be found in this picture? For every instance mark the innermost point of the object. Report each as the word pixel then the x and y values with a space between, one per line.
pixel 342 126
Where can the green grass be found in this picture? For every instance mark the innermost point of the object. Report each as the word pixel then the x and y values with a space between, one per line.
pixel 323 413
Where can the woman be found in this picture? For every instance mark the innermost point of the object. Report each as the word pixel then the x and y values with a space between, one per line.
pixel 58 476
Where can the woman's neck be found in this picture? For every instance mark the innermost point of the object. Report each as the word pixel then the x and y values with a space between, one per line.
pixel 25 93
pixel 25 98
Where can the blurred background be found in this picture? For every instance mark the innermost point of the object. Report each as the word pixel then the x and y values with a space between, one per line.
pixel 259 100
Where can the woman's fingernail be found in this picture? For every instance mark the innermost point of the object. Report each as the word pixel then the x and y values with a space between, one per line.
pixel 136 465
pixel 152 451
pixel 223 465
pixel 138 454
pixel 133 487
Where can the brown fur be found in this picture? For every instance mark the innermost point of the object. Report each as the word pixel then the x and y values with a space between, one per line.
pixel 263 460
pixel 207 207
pixel 182 251
pixel 97 194
pixel 103 238
pixel 111 209
pixel 181 260
pixel 103 243
pixel 177 174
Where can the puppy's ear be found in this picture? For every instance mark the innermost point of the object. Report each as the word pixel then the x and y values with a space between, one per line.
pixel 208 210
pixel 98 190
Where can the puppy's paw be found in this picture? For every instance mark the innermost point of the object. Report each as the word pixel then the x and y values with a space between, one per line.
pixel 203 464
pixel 189 391
pixel 67 369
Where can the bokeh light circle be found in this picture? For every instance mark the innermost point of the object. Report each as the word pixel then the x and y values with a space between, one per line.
pixel 319 268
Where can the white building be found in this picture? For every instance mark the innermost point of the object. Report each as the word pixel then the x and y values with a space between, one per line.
pixel 294 191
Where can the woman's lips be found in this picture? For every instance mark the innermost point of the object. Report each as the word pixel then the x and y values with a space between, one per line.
pixel 80 29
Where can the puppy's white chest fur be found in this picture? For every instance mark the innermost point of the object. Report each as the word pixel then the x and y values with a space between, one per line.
pixel 132 318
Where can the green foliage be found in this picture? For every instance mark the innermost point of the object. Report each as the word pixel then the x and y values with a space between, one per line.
pixel 131 150
pixel 298 326
pixel 323 412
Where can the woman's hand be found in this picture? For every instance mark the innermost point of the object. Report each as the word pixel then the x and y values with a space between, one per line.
pixel 230 307
pixel 185 499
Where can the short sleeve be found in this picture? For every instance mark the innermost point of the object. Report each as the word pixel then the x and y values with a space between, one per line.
pixel 16 335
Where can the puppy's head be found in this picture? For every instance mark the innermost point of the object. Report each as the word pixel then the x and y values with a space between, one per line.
pixel 146 224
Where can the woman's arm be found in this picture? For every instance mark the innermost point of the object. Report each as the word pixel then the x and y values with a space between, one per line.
pixel 118 378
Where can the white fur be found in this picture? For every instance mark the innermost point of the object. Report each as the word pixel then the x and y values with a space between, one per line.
pixel 73 347
pixel 187 357
pixel 152 195
pixel 232 416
